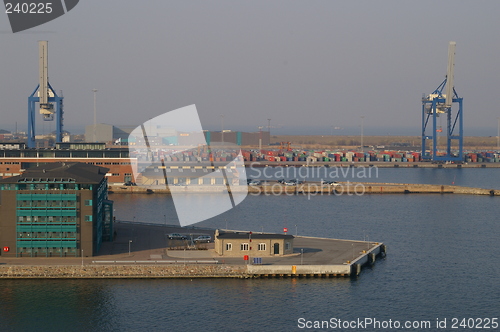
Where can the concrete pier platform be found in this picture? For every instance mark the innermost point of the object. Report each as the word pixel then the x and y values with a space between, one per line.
pixel 153 255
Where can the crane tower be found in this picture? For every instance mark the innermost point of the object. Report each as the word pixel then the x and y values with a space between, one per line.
pixel 444 101
pixel 46 97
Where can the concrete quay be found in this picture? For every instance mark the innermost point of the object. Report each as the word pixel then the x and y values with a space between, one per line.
pixel 342 188
pixel 153 256
pixel 379 164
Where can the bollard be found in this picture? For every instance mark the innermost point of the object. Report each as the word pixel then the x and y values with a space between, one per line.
pixel 294 269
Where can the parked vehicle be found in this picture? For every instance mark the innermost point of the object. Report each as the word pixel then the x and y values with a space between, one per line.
pixel 293 182
pixel 203 238
pixel 177 236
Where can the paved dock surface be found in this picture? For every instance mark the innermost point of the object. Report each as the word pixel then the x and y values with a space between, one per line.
pixel 150 243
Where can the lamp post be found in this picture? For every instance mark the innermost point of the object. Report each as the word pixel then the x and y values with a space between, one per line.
pixel 295 230
pixel 301 255
pixel 95 114
pixel 498 134
pixel 82 257
pixel 260 139
pixel 129 244
pixel 222 127
pixel 362 127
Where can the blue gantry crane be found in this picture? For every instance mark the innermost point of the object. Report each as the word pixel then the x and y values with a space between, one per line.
pixel 46 98
pixel 444 101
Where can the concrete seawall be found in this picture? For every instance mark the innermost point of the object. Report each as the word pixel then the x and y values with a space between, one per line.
pixel 121 271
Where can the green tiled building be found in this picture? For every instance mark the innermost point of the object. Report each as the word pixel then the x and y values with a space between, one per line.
pixel 55 210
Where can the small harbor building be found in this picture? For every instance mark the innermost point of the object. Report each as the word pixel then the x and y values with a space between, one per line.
pixel 55 210
pixel 240 244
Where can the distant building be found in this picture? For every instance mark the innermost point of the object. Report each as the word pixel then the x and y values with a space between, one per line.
pixel 239 244
pixel 16 159
pixel 58 209
pixel 238 137
pixel 105 133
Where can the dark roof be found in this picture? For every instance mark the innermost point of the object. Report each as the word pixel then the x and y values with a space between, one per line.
pixel 59 172
pixel 254 236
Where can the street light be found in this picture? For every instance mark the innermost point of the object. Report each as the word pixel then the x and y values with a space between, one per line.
pixel 295 230
pixel 301 255
pixel 129 243
pixel 222 127
pixel 95 114
pixel 82 257
pixel 362 127
pixel 498 134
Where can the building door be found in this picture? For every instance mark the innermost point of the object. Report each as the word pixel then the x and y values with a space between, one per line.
pixel 276 248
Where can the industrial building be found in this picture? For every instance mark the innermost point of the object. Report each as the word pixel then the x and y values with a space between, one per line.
pixel 105 133
pixel 238 137
pixel 55 210
pixel 14 160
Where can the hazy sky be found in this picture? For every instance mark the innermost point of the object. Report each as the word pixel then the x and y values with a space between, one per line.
pixel 304 64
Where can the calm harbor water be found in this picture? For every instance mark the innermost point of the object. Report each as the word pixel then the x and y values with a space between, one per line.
pixel 441 263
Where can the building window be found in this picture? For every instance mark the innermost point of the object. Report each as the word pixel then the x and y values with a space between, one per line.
pixel 88 202
pixel 88 218
pixel 262 246
pixel 229 246
pixel 244 247
pixel 288 246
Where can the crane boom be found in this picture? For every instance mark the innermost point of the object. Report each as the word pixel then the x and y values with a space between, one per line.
pixel 43 72
pixel 450 73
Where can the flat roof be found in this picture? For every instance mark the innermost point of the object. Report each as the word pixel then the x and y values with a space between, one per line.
pixel 59 172
pixel 256 236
